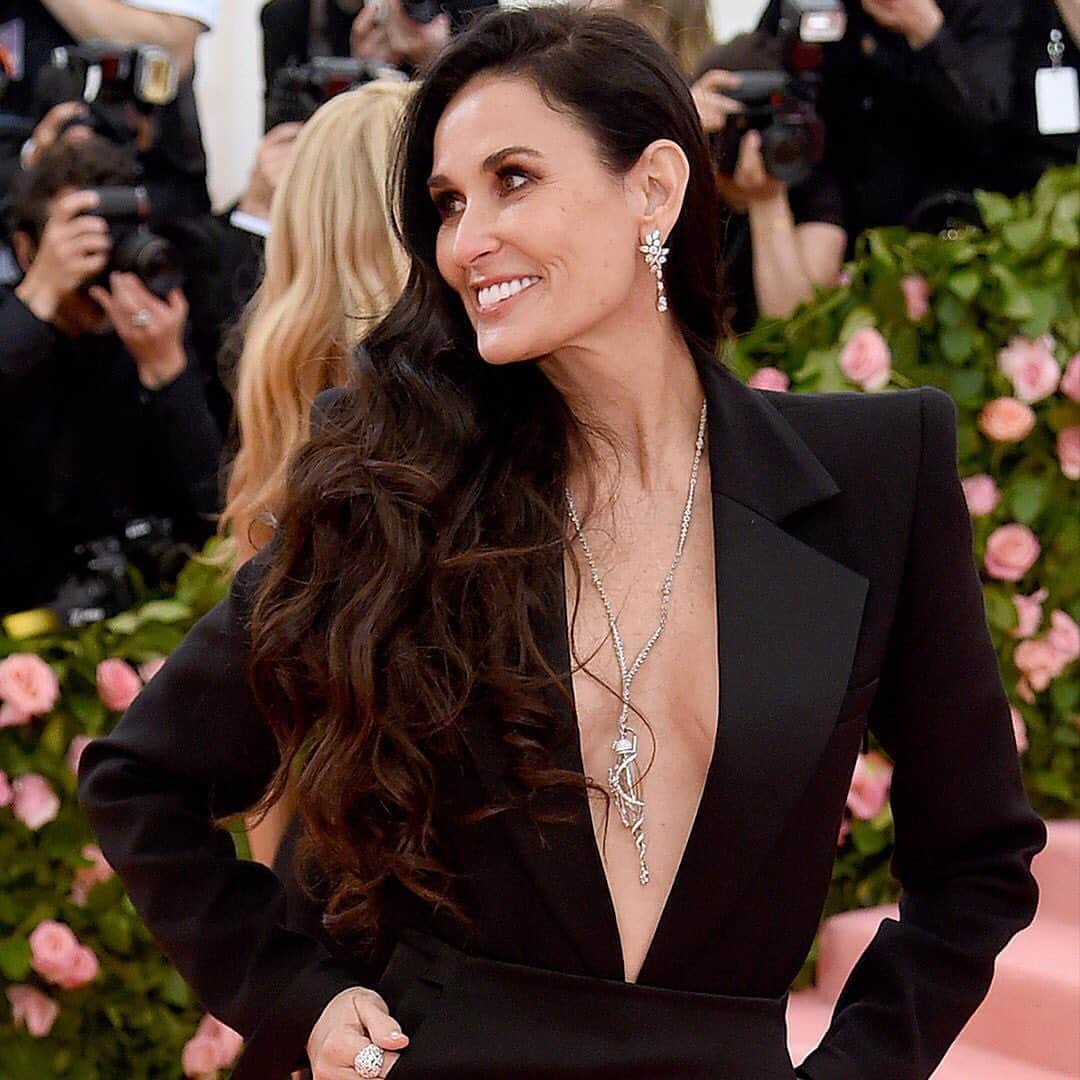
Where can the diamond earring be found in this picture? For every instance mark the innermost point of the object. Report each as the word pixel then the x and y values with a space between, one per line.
pixel 655 257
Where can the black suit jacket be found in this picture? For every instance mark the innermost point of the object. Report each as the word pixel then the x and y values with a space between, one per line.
pixel 847 593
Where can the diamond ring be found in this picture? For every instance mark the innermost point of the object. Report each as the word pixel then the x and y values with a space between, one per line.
pixel 141 318
pixel 369 1061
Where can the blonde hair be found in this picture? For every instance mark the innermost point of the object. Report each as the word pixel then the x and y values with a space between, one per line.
pixel 681 26
pixel 333 269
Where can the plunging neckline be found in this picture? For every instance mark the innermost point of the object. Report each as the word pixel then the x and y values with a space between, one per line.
pixel 578 765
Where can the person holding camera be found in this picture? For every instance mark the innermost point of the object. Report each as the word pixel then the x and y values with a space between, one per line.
pixel 102 412
pixel 781 238
pixel 911 97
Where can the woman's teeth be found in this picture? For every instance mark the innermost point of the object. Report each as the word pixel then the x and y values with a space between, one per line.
pixel 492 294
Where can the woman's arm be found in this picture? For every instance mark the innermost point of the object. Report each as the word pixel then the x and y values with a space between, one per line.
pixel 965 832
pixel 194 748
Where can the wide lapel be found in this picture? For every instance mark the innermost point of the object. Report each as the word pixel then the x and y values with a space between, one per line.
pixel 788 620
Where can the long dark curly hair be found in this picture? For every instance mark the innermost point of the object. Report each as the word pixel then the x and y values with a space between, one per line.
pixel 423 532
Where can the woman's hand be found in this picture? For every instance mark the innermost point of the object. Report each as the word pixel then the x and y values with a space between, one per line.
pixel 352 1019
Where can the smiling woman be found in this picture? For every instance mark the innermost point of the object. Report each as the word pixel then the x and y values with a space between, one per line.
pixel 545 559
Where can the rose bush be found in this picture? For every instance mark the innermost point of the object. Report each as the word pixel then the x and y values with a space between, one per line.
pixel 991 317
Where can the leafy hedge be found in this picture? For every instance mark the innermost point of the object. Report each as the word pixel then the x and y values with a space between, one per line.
pixel 989 316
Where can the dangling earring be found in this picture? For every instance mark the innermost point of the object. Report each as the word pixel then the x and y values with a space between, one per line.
pixel 655 257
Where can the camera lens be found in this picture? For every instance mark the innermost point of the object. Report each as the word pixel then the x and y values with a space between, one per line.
pixel 153 259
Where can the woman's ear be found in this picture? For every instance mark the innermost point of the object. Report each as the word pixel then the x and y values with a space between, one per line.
pixel 658 181
pixel 24 249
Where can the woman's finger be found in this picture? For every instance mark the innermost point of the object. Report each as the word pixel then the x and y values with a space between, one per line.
pixel 382 1029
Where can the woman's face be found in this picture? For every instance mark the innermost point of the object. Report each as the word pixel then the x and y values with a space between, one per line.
pixel 537 236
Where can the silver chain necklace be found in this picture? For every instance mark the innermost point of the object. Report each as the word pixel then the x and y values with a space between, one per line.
pixel 624 777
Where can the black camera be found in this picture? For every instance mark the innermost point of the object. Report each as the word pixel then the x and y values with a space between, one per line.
pixel 111 79
pixel 792 133
pixel 299 89
pixel 136 249
pixel 101 584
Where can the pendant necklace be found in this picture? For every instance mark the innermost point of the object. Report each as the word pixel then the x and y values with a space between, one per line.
pixel 624 776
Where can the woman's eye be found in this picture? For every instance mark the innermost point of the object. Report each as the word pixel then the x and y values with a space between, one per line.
pixel 511 180
pixel 448 204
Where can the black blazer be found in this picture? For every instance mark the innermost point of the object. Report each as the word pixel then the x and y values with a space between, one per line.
pixel 847 594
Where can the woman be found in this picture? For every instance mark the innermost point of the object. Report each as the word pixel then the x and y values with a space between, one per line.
pixel 681 26
pixel 501 489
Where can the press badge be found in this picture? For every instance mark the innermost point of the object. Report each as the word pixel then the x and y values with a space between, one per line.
pixel 1057 93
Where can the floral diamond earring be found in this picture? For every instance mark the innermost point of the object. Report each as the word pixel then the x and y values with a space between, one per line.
pixel 655 257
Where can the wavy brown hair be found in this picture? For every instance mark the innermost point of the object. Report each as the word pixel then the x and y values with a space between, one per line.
pixel 422 536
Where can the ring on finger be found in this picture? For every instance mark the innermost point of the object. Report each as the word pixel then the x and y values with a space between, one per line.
pixel 141 318
pixel 369 1061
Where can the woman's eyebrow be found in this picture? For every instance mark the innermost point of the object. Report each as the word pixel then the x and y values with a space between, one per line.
pixel 490 163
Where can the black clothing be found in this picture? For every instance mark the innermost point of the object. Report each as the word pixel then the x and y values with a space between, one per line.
pixel 818 199
pixel 905 125
pixel 286 28
pixel 1027 154
pixel 836 608
pixel 84 447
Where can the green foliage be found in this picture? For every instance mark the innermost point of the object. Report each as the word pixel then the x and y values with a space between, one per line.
pixel 1019 277
pixel 134 1019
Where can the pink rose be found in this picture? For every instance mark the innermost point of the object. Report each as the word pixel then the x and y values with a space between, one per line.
pixel 35 803
pixel 1011 552
pixel 769 378
pixel 28 684
pixel 86 877
pixel 118 685
pixel 1028 613
pixel 214 1046
pixel 916 291
pixel 981 494
pixel 1031 368
pixel 32 1009
pixel 1070 381
pixel 75 751
pixel 1039 662
pixel 1019 729
pixel 1024 691
pixel 865 360
pixel 12 717
pixel 7 795
pixel 57 956
pixel 1064 636
pixel 1068 451
pixel 1006 420
pixel 869 785
pixel 149 668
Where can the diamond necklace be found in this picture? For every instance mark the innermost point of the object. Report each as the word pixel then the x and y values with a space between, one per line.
pixel 624 777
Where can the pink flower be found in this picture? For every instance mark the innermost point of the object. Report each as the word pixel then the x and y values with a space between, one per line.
pixel 981 494
pixel 1006 420
pixel 1028 613
pixel 1011 552
pixel 845 832
pixel 1019 729
pixel 117 684
pixel 149 668
pixel 35 803
pixel 866 359
pixel 916 291
pixel 86 877
pixel 32 1009
pixel 28 684
pixel 7 795
pixel 75 751
pixel 869 785
pixel 1064 636
pixel 1024 691
pixel 1070 381
pixel 57 956
pixel 1030 366
pixel 12 717
pixel 214 1046
pixel 844 279
pixel 1039 662
pixel 769 378
pixel 1068 451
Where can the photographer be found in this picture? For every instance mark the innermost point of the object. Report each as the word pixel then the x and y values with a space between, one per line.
pixel 780 239
pixel 103 414
pixel 911 97
pixel 170 142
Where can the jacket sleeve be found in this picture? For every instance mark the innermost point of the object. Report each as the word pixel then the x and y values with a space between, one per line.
pixel 193 747
pixel 965 832
pixel 24 341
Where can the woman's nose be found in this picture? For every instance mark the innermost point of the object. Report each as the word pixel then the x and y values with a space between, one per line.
pixel 475 235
